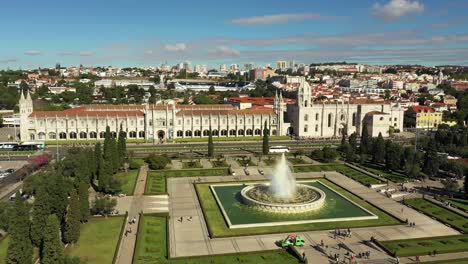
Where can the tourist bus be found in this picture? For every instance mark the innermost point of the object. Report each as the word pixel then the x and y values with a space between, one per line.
pixel 38 144
pixel 8 145
pixel 279 149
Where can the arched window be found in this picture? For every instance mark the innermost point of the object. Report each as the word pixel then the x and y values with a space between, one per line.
pixel 342 117
pixel 141 134
pixel 305 103
pixel 224 132
pixel 306 117
pixel 232 132
pixel 102 134
pixel 63 135
pixel 83 134
pixel 273 133
pixel 329 120
pixel 180 133
pixel 258 132
pixel 197 133
pixel 52 135
pixel 316 117
pixel 132 134
pixel 249 132
pixel 72 135
pixel 316 128
pixel 92 135
pixel 214 132
pixel 32 137
pixel 114 134
pixel 354 119
pixel 240 132
pixel 306 128
pixel 188 133
pixel 206 133
pixel 41 135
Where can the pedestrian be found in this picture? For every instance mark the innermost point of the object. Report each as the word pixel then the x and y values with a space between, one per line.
pixel 417 259
pixel 368 254
pixel 397 260
pixel 321 243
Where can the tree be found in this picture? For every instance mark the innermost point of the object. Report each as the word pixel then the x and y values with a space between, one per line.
pixel 365 140
pixel 39 214
pixel 210 145
pixel 157 162
pixel 347 151
pixel 465 185
pixel 329 154
pixel 52 248
pixel 353 141
pixel 72 220
pixel 431 162
pixel 450 185
pixel 122 146
pixel 393 153
pixel 20 249
pixel 266 145
pixel 378 153
pixel 84 203
pixel 97 159
pixel 103 206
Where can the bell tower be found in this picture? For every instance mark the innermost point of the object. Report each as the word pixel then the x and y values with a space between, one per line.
pixel 304 95
pixel 25 109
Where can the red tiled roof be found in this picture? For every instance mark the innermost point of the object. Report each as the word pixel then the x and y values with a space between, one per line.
pixel 257 110
pixel 376 113
pixel 85 113
pixel 422 108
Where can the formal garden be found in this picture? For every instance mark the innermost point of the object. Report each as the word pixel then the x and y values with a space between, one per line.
pixel 152 247
pixel 426 246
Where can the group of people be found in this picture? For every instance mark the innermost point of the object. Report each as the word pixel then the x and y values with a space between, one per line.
pixel 342 233
pixel 181 219
pixel 131 222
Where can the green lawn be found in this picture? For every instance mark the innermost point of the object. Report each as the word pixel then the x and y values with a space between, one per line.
pixel 156 181
pixel 138 161
pixel 98 240
pixel 453 261
pixel 3 248
pixel 295 161
pixel 357 175
pixel 151 247
pixel 251 138
pixel 219 164
pixel 462 204
pixel 440 213
pixel 315 168
pixel 218 227
pixel 422 246
pixel 378 169
pixel 128 181
pixel 246 162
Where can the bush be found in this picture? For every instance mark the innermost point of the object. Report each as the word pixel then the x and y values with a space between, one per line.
pixel 103 206
pixel 157 162
pixel 133 164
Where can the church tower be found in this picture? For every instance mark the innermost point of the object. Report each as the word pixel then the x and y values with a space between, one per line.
pixel 278 107
pixel 25 109
pixel 304 94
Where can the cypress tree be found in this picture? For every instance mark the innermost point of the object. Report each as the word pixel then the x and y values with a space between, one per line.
pixel 40 212
pixel 83 194
pixel 379 149
pixel 72 221
pixel 353 141
pixel 52 248
pixel 210 145
pixel 365 140
pixel 266 145
pixel 122 147
pixel 97 159
pixel 20 249
pixel 114 156
pixel 57 196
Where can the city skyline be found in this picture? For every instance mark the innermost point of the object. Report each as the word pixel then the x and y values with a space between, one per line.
pixel 148 34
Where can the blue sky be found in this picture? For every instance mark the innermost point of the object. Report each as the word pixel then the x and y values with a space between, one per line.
pixel 147 32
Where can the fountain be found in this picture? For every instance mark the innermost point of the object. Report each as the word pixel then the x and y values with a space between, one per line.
pixel 282 194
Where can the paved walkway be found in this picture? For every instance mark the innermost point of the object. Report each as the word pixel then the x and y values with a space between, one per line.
pixel 135 205
pixel 191 238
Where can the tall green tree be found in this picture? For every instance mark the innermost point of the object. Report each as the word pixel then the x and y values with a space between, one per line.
pixel 72 220
pixel 40 212
pixel 210 145
pixel 57 194
pixel 52 248
pixel 98 160
pixel 266 144
pixel 431 162
pixel 393 153
pixel 378 153
pixel 365 141
pixel 20 249
pixel 122 146
pixel 83 194
pixel 353 142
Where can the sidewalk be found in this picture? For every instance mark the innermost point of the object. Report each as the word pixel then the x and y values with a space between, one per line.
pixel 439 257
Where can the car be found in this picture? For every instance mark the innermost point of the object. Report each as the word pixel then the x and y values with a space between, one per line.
pixel 292 240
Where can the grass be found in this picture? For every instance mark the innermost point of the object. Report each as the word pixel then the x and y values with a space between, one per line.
pixel 461 204
pixel 246 162
pixel 378 169
pixel 138 161
pixel 156 182
pixel 315 168
pixel 219 164
pixel 440 213
pixel 98 240
pixel 451 261
pixel 296 161
pixel 3 248
pixel 217 226
pixel 151 247
pixel 358 176
pixel 422 246
pixel 128 181
pixel 249 138
pixel 17 153
pixel 191 165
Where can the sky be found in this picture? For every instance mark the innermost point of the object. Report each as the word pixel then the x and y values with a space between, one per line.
pixel 150 32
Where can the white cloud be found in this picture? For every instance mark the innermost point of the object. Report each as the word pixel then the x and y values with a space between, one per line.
pixel 7 60
pixel 226 51
pixel 33 52
pixel 396 9
pixel 276 19
pixel 177 47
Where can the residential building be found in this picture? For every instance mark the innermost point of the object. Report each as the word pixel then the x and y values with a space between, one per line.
pixel 425 117
pixel 281 65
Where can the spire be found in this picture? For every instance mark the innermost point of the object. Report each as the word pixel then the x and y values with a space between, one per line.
pixel 28 96
pixel 22 96
pixel 281 97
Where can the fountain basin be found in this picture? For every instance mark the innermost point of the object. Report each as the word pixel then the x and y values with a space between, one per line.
pixel 307 198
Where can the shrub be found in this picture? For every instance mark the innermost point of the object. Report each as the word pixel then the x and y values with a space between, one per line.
pixel 157 162
pixel 103 206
